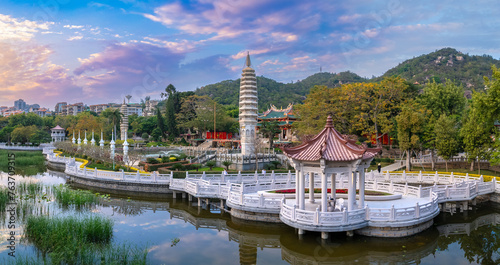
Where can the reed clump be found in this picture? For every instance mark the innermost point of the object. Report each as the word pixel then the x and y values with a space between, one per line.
pixel 30 188
pixel 63 238
pixel 69 197
pixel 4 199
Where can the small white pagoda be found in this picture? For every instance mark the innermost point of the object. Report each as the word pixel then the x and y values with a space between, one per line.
pixel 58 134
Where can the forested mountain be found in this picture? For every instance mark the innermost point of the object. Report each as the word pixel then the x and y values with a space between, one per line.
pixel 466 70
pixel 276 93
pixel 463 69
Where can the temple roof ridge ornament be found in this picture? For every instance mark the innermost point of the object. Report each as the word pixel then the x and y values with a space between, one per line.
pixel 330 145
pixel 287 111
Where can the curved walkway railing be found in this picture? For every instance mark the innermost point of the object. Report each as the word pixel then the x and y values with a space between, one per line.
pixel 24 148
pixel 241 191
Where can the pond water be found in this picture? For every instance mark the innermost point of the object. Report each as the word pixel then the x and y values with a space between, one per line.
pixel 178 232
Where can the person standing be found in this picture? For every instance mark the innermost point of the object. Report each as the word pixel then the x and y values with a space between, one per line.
pixel 379 167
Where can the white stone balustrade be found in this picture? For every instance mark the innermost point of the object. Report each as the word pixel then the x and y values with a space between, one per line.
pixel 242 191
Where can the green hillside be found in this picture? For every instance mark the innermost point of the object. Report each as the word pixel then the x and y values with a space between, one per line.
pixel 447 63
pixel 467 70
pixel 276 93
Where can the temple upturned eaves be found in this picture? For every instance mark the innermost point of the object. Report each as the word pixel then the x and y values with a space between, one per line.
pixel 330 145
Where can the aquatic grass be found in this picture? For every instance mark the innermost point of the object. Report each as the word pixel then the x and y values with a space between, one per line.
pixel 52 232
pixel 22 158
pixel 124 254
pixel 4 198
pixel 68 197
pixel 79 240
pixel 30 188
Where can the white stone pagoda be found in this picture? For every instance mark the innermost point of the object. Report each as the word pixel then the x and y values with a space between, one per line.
pixel 248 109
pixel 124 123
pixel 58 134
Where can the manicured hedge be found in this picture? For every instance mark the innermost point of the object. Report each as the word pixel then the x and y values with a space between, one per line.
pixel 155 167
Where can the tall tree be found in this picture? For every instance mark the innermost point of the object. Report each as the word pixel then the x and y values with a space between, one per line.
pixel 476 131
pixel 269 130
pixel 446 138
pixel 197 112
pixel 441 99
pixel 113 115
pixel 172 106
pixel 22 134
pixel 379 103
pixel 161 125
pixel 410 122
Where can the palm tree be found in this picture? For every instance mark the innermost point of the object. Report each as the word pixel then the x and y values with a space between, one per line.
pixel 114 115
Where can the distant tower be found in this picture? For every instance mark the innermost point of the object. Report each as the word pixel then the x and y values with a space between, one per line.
pixel 124 123
pixel 248 108
pixel 128 98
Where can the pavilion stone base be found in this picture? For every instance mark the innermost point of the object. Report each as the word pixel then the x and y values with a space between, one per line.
pixel 394 231
pixel 253 216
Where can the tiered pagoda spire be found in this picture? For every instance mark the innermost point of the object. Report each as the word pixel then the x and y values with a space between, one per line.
pixel 248 108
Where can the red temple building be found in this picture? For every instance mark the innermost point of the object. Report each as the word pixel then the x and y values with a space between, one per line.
pixel 285 119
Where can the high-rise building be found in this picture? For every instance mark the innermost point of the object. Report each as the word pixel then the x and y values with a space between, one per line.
pixel 59 107
pixel 98 108
pixel 72 109
pixel 248 109
pixel 20 104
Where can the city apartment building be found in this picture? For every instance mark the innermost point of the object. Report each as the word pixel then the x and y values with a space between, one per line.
pixel 99 108
pixel 72 109
pixel 59 107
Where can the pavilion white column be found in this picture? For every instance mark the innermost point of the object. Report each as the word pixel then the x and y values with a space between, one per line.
pixel 333 185
pixel 324 192
pixel 311 187
pixel 302 191
pixel 362 189
pixel 297 186
pixel 351 193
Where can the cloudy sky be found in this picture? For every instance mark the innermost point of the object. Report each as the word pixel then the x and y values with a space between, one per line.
pixel 99 51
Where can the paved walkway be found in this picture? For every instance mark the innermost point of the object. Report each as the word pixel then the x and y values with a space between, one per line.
pixel 405 201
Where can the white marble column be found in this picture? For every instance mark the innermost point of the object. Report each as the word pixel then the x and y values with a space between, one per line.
pixel 333 185
pixel 324 192
pixel 302 189
pixel 351 194
pixel 311 187
pixel 362 189
pixel 297 186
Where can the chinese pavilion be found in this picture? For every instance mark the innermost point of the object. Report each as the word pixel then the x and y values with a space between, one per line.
pixel 285 119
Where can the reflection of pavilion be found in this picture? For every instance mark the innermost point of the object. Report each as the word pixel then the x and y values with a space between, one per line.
pixel 311 249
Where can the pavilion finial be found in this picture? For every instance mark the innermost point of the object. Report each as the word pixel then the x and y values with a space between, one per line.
pixel 248 62
pixel 329 122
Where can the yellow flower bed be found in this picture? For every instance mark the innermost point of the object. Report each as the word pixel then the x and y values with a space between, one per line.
pixel 486 178
pixel 86 162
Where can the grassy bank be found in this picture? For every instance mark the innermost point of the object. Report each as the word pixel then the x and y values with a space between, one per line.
pixel 27 163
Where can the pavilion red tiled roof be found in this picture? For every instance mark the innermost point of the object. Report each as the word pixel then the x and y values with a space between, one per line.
pixel 331 146
pixel 57 128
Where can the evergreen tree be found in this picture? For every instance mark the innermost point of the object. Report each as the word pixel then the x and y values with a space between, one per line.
pixel 446 138
pixel 160 122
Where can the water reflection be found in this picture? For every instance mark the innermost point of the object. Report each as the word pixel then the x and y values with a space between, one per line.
pixel 211 236
pixel 476 233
